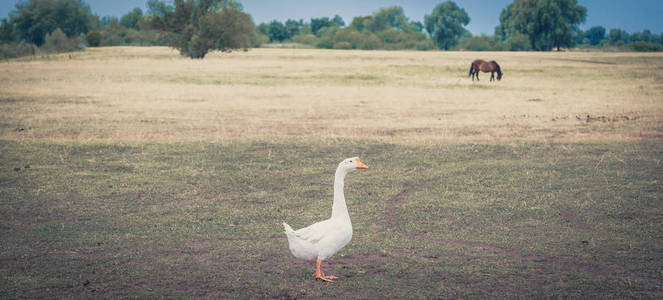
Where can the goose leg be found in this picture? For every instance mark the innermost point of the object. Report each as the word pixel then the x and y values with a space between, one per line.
pixel 320 275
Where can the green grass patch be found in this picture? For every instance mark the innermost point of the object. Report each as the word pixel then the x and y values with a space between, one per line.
pixel 190 220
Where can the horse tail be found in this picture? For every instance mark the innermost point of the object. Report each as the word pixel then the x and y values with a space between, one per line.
pixel 471 67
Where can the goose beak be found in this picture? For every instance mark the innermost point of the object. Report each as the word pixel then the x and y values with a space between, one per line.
pixel 361 165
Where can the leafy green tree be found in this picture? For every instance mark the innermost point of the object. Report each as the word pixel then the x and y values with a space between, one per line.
pixel 7 32
pixel 579 37
pixel 547 23
pixel 338 21
pixel 386 18
pixel 646 36
pixel 34 19
pixel 319 23
pixel 417 26
pixel 130 20
pixel 445 24
pixel 293 27
pixel 389 17
pixel 263 28
pixel 227 30
pixel 387 28
pixel 108 21
pixel 617 37
pixel 158 8
pixel 277 31
pixel 360 23
pixel 595 35
pixel 656 38
pixel 210 25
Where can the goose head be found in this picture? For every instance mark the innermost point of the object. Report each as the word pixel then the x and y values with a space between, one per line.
pixel 350 164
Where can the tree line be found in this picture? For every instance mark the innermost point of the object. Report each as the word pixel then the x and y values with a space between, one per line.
pixel 195 27
pixel 388 28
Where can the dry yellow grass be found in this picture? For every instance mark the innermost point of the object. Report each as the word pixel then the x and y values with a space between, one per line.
pixel 154 94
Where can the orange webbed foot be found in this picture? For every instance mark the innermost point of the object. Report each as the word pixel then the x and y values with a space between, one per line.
pixel 320 275
pixel 325 278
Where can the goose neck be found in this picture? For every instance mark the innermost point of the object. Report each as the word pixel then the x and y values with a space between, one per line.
pixel 339 208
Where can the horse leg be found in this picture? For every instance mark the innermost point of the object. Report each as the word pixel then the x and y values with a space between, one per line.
pixel 492 76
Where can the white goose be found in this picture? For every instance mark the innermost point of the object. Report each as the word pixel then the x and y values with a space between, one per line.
pixel 321 240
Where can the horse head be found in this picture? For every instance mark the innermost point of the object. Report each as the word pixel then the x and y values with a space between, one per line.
pixel 499 71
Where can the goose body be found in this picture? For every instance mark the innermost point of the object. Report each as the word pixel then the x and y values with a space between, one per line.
pixel 323 239
pixel 320 240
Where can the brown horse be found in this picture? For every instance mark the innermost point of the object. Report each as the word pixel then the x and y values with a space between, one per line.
pixel 484 66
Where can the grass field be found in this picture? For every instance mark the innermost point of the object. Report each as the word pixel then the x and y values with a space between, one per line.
pixel 153 94
pixel 134 172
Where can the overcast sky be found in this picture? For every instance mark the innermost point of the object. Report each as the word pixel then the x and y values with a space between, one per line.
pixel 630 15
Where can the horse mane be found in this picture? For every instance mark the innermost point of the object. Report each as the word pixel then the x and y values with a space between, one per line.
pixel 499 71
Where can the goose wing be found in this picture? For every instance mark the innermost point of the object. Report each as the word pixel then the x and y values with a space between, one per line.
pixel 313 233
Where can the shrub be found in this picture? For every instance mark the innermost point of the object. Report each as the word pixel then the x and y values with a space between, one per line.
pixel 519 42
pixel 155 37
pixel 405 40
pixel 476 44
pixel 390 36
pixel 425 45
pixel 325 43
pixel 259 39
pixel 305 38
pixel 326 37
pixel 94 38
pixel 483 43
pixel 12 50
pixel 342 45
pixel 120 35
pixel 645 47
pixel 113 36
pixel 57 41
pixel 497 45
pixel 349 35
pixel 369 41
